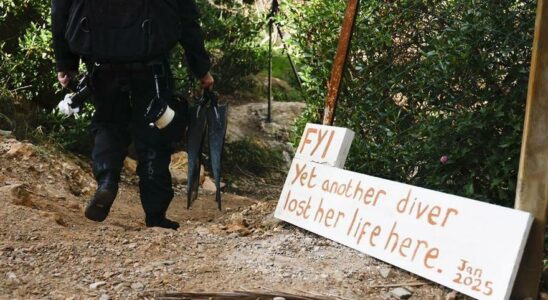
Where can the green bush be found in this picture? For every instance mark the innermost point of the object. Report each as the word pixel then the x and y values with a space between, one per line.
pixel 69 133
pixel 426 79
pixel 251 156
pixel 232 31
pixel 27 68
pixel 26 58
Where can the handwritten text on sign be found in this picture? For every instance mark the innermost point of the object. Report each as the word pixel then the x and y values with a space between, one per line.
pixel 469 246
pixel 325 144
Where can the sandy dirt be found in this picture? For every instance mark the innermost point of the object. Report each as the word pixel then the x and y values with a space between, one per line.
pixel 48 250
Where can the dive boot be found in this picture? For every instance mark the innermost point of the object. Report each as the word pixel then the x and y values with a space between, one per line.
pixel 99 206
pixel 161 221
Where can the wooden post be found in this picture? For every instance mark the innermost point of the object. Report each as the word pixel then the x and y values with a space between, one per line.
pixel 532 188
pixel 340 61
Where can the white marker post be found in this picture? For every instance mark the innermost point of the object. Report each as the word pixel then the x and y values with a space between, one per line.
pixel 441 237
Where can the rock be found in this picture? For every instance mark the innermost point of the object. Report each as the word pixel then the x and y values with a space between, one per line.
pixel 271 222
pixel 137 286
pixel 179 167
pixel 202 231
pixel 104 297
pixel 21 151
pixel 179 177
pixel 56 217
pixel 130 165
pixel 202 174
pixel 451 296
pixel 238 226
pixel 277 83
pixel 97 285
pixel 287 157
pixel 53 216
pixel 244 120
pixel 385 272
pixel 179 161
pixel 208 185
pixel 400 293
pixel 18 194
pixel 4 133
pixel 278 298
pixel 11 276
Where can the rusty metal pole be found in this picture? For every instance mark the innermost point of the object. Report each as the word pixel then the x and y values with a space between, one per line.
pixel 340 61
pixel 532 186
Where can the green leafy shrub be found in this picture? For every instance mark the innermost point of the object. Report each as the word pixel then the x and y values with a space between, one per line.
pixel 232 33
pixel 252 156
pixel 14 114
pixel 426 79
pixel 27 68
pixel 26 57
pixel 69 133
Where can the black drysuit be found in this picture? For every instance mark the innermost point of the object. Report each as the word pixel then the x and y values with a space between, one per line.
pixel 121 94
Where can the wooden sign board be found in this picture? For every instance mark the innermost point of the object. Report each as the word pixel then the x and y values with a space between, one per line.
pixel 467 245
pixel 325 144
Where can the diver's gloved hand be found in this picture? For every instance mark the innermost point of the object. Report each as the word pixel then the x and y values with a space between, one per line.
pixel 207 81
pixel 65 108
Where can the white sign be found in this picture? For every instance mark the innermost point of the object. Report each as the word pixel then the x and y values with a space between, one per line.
pixel 325 144
pixel 467 245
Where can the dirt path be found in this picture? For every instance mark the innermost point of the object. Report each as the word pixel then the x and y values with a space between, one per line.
pixel 48 250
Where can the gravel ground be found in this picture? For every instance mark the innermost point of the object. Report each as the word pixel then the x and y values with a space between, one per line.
pixel 48 250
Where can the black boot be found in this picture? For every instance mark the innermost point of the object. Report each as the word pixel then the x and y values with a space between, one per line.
pixel 99 206
pixel 161 221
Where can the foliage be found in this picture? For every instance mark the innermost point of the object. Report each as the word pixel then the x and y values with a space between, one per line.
pixel 281 70
pixel 252 156
pixel 27 63
pixel 26 58
pixel 69 133
pixel 426 79
pixel 231 31
pixel 14 114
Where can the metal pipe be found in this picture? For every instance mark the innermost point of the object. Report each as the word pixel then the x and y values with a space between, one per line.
pixel 340 61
